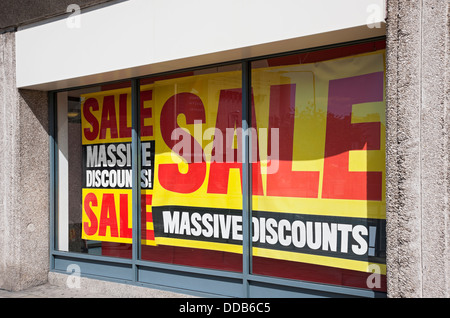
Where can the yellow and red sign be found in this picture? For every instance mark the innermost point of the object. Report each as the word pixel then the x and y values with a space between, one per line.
pixel 318 167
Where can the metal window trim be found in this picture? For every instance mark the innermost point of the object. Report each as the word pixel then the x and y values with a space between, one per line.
pixel 246 176
pixel 191 273
pixel 52 173
pixel 136 164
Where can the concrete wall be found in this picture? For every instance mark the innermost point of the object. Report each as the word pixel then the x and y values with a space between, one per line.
pixel 418 232
pixel 24 178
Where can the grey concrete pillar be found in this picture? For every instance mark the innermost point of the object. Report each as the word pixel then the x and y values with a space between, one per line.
pixel 24 178
pixel 417 154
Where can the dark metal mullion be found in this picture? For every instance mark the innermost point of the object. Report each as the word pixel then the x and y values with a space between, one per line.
pixel 52 110
pixel 246 176
pixel 136 164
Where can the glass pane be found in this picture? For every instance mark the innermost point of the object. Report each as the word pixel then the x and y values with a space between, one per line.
pixel 190 179
pixel 318 176
pixel 94 166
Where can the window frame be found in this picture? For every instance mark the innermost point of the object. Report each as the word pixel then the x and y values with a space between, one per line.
pixel 180 278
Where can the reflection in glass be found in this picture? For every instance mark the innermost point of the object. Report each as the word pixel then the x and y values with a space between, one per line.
pixel 320 123
pixel 191 196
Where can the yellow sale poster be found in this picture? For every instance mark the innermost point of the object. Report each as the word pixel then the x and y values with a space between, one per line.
pixel 317 153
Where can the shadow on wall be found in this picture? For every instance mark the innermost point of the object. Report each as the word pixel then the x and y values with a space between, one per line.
pixel 37 103
pixel 19 12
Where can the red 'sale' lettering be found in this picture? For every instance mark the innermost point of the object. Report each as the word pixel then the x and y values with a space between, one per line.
pixel 109 119
pixel 90 229
pixel 146 216
pixel 108 217
pixel 91 103
pixel 285 182
pixel 343 136
pixel 169 175
pixel 125 231
pixel 124 129
pixel 229 115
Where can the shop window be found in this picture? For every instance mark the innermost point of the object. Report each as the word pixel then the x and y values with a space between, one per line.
pixel 192 203
pixel 94 171
pixel 317 149
pixel 318 194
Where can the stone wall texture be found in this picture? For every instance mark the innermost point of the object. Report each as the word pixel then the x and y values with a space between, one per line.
pixel 24 178
pixel 18 12
pixel 417 154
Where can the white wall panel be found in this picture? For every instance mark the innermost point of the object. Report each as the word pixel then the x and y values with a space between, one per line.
pixel 138 37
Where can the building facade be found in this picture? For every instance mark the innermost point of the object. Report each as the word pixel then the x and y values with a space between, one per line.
pixel 238 148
